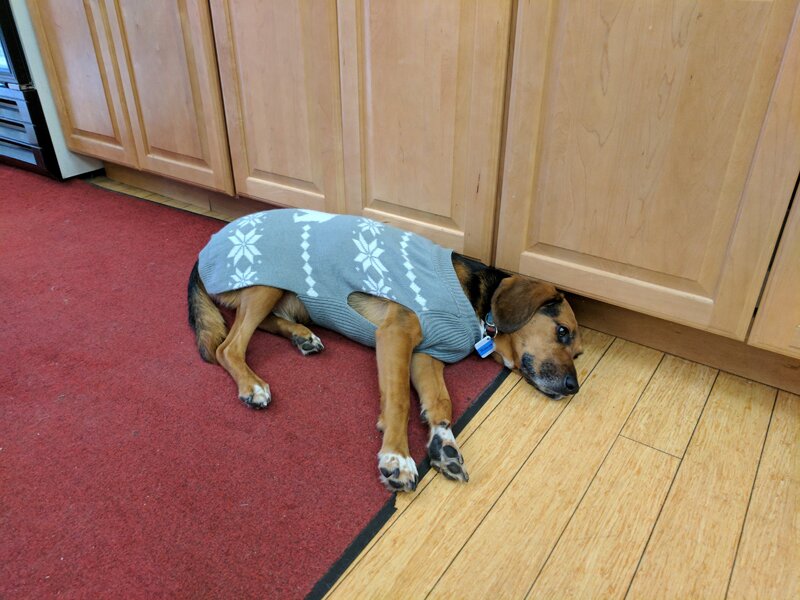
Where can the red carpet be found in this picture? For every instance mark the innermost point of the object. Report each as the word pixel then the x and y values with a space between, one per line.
pixel 128 467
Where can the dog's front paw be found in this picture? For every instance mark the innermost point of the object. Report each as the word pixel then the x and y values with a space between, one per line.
pixel 445 456
pixel 308 345
pixel 258 396
pixel 398 473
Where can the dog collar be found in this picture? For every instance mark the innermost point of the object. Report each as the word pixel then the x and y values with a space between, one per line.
pixel 488 326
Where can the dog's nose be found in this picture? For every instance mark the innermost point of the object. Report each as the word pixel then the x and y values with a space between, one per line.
pixel 571 384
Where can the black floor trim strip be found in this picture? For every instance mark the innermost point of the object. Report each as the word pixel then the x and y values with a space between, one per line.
pixel 360 542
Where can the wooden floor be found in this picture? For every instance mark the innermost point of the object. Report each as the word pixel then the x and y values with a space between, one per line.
pixel 116 186
pixel 662 478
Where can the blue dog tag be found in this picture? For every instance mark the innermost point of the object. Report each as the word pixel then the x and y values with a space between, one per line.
pixel 485 347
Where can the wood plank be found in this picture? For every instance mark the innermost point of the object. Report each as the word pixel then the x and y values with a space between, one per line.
pixel 534 510
pixel 693 344
pixel 691 552
pixel 768 562
pixel 412 554
pixel 667 414
pixel 597 555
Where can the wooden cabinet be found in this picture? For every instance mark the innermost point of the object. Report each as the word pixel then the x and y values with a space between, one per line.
pixel 137 84
pixel 80 57
pixel 649 149
pixel 651 152
pixel 170 77
pixel 423 86
pixel 777 323
pixel 388 109
pixel 278 63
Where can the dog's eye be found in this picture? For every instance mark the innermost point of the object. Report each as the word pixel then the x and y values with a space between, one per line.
pixel 562 332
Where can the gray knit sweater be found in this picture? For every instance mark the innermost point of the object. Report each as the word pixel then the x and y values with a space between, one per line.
pixel 323 258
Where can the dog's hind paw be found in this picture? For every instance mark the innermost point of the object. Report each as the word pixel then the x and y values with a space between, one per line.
pixel 257 397
pixel 398 473
pixel 445 456
pixel 308 345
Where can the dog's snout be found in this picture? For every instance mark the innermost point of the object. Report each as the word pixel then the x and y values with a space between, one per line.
pixel 571 384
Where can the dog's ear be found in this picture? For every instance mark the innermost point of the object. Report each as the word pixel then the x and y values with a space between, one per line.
pixel 517 299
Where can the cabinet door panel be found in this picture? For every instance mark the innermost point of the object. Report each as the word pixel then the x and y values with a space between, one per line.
pixel 172 86
pixel 422 88
pixel 777 324
pixel 640 165
pixel 75 41
pixel 279 72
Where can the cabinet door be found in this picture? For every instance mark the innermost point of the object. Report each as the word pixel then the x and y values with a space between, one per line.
pixel 423 87
pixel 75 41
pixel 169 73
pixel 777 324
pixel 278 64
pixel 650 155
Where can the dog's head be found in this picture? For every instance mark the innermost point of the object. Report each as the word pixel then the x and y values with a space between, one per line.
pixel 537 334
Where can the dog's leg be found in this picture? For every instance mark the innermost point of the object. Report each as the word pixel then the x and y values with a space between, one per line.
pixel 427 374
pixel 300 335
pixel 396 337
pixel 255 303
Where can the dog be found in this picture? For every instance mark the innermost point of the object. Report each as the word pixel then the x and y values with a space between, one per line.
pixel 419 305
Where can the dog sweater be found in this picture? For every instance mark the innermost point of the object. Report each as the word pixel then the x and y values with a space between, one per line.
pixel 323 258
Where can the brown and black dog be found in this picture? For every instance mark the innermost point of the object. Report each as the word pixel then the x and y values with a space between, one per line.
pixel 537 335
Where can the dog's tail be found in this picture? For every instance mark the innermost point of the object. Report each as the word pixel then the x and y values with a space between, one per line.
pixel 205 319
